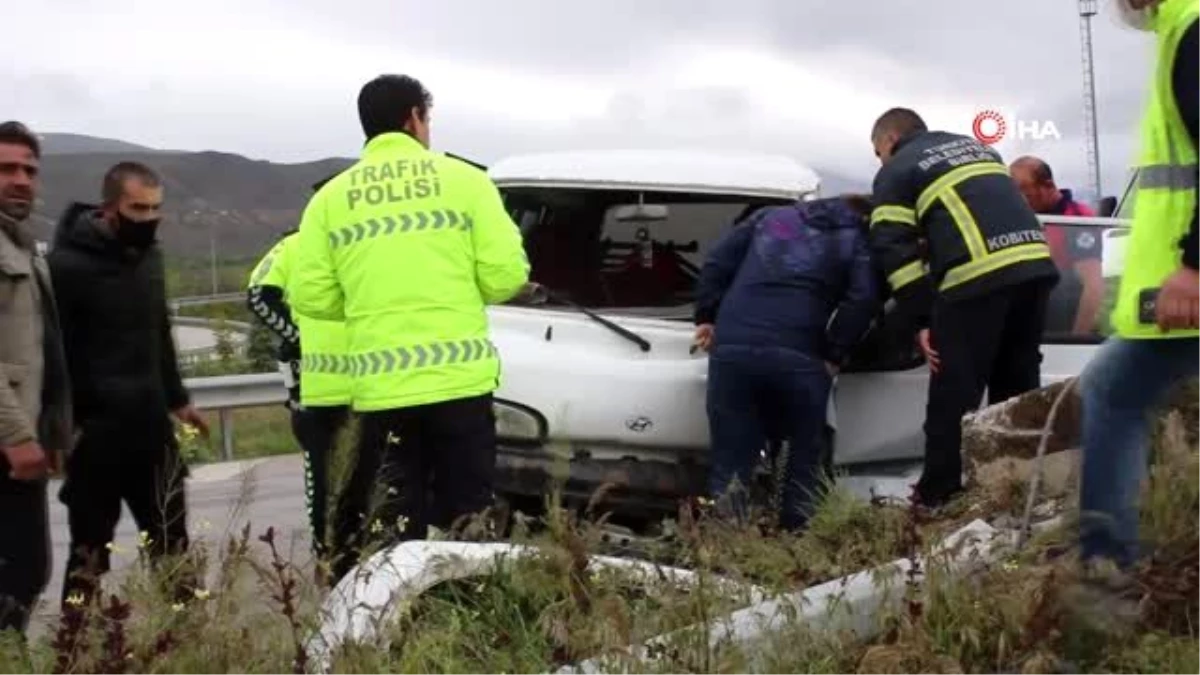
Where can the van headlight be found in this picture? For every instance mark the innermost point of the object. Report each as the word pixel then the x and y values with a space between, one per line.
pixel 516 423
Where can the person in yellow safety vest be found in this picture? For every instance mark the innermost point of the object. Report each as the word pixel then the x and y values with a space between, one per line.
pixel 319 401
pixel 409 246
pixel 1155 320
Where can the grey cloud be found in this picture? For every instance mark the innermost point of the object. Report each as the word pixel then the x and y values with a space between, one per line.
pixel 1024 52
pixel 1019 51
pixel 1021 44
pixel 55 92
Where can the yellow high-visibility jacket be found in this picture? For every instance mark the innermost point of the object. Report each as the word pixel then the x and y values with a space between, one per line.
pixel 319 341
pixel 1165 201
pixel 408 247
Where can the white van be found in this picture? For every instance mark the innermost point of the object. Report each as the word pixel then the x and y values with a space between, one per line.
pixel 600 384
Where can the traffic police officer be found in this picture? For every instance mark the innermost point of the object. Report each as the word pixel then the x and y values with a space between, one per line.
pixel 978 298
pixel 409 246
pixel 1155 318
pixel 319 400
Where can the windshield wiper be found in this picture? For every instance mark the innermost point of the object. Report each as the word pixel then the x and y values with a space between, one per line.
pixel 539 294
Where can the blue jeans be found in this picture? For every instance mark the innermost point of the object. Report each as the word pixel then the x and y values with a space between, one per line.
pixel 1119 388
pixel 756 393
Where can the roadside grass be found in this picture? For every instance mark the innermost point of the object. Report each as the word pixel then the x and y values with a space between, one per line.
pixel 263 431
pixel 541 611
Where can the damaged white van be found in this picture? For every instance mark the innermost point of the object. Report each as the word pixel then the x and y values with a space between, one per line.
pixel 599 383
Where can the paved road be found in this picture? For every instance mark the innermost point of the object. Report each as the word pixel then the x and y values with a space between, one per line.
pixel 189 338
pixel 222 498
pixel 194 337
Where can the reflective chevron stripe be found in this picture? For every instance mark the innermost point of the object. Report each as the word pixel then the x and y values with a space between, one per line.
pixel 421 221
pixel 401 358
pixel 324 364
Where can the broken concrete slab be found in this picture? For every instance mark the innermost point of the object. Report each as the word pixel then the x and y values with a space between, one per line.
pixel 999 477
pixel 373 595
pixel 1013 428
pixel 855 603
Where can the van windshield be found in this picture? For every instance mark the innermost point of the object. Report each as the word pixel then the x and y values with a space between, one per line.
pixel 625 252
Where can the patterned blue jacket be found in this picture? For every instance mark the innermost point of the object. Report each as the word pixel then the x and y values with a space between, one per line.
pixel 798 277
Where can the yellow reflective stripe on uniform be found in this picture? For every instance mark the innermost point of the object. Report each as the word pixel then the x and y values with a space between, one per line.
pixel 953 177
pixel 899 214
pixel 435 219
pixel 968 229
pixel 1003 258
pixel 401 358
pixel 907 274
pixel 1168 176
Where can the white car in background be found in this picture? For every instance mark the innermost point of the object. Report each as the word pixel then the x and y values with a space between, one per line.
pixel 600 385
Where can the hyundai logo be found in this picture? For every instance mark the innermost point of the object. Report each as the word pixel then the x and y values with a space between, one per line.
pixel 638 424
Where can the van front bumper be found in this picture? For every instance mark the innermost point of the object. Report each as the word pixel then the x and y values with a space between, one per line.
pixel 633 486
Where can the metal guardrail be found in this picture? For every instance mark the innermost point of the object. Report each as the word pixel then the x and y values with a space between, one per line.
pixel 226 393
pixel 205 322
pixel 193 300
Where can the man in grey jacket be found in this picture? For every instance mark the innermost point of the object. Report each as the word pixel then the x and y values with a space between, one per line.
pixel 35 413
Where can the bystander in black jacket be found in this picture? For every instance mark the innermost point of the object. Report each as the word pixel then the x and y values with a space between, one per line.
pixel 116 328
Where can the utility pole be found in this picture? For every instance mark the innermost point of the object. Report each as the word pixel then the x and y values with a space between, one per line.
pixel 1087 9
pixel 212 252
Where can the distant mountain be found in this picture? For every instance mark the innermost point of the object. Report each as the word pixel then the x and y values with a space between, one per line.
pixel 71 144
pixel 244 204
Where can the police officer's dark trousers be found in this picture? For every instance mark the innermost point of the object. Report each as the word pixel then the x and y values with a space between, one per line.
pixel 437 464
pixel 316 429
pixel 991 343
pixel 756 393
pixel 112 463
pixel 24 547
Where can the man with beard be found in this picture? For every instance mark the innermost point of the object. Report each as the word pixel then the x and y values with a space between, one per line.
pixel 108 271
pixel 34 405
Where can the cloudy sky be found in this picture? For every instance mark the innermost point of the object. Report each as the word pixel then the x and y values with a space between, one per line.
pixel 277 79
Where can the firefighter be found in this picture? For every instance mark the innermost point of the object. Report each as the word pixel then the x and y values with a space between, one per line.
pixel 409 246
pixel 1155 318
pixel 319 402
pixel 977 298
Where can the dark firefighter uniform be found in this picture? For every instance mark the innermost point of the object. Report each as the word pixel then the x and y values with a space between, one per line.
pixel 966 257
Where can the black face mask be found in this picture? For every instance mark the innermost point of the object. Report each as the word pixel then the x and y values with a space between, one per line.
pixel 137 234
